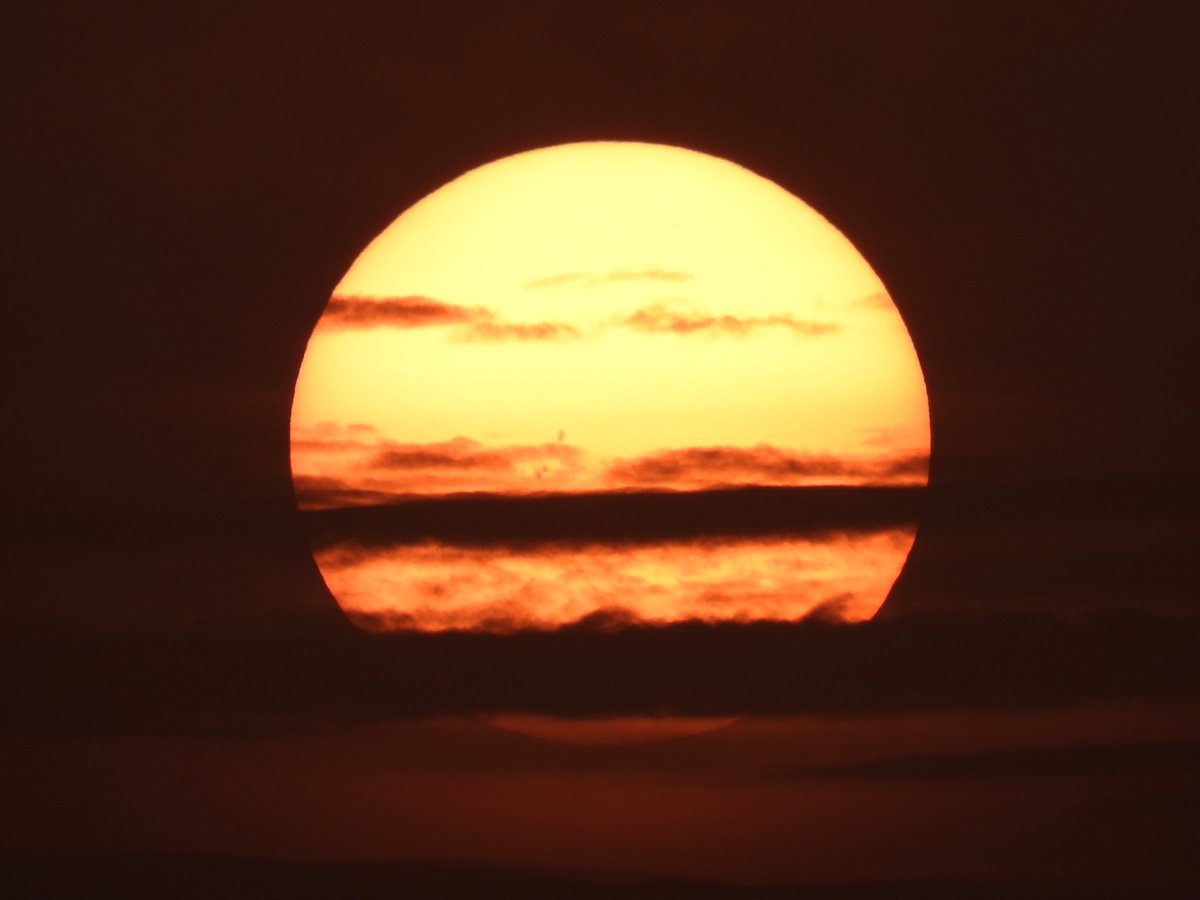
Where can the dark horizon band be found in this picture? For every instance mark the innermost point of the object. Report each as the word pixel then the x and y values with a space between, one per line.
pixel 618 518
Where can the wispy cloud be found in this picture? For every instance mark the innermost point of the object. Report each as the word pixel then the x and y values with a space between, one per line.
pixel 464 453
pixel 470 323
pixel 460 453
pixel 878 300
pixel 333 437
pixel 326 492
pixel 490 331
pixel 762 464
pixel 483 325
pixel 398 312
pixel 659 319
pixel 593 279
pixel 335 467
pixel 359 466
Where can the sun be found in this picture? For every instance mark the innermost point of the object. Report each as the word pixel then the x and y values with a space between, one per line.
pixel 609 381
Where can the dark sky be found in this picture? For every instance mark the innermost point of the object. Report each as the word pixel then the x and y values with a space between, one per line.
pixel 187 182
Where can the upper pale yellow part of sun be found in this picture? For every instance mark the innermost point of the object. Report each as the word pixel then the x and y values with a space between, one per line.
pixel 585 238
pixel 601 209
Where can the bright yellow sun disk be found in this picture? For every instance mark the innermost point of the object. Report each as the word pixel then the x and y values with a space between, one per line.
pixel 589 310
pixel 719 238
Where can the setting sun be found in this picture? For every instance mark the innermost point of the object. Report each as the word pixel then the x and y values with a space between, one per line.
pixel 609 332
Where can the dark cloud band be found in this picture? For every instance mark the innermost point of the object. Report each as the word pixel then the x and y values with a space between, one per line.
pixel 901 664
pixel 619 517
pixel 1104 759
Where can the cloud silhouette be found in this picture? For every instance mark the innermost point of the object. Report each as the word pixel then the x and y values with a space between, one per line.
pixel 333 437
pixel 318 491
pixel 474 323
pixel 698 466
pixel 398 312
pixel 334 467
pixel 464 453
pixel 460 453
pixel 886 665
pixel 356 465
pixel 618 518
pixel 659 319
pixel 477 323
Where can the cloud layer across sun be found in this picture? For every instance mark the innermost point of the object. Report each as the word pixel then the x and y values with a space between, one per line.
pixel 608 318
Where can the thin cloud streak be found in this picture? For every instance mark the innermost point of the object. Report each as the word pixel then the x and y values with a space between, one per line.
pixel 463 453
pixel 762 464
pixel 658 319
pixel 314 491
pixel 587 279
pixel 477 323
pixel 459 453
pixel 494 332
pixel 333 468
pixel 473 323
pixel 397 312
pixel 873 301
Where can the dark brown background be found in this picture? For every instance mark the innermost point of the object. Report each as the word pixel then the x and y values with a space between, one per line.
pixel 187 182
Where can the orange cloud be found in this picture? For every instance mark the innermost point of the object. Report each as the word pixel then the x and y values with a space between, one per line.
pixel 464 453
pixel 434 587
pixel 335 467
pixel 322 492
pixel 460 453
pixel 763 464
pixel 360 467
pixel 659 319
pixel 915 465
pixel 333 437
